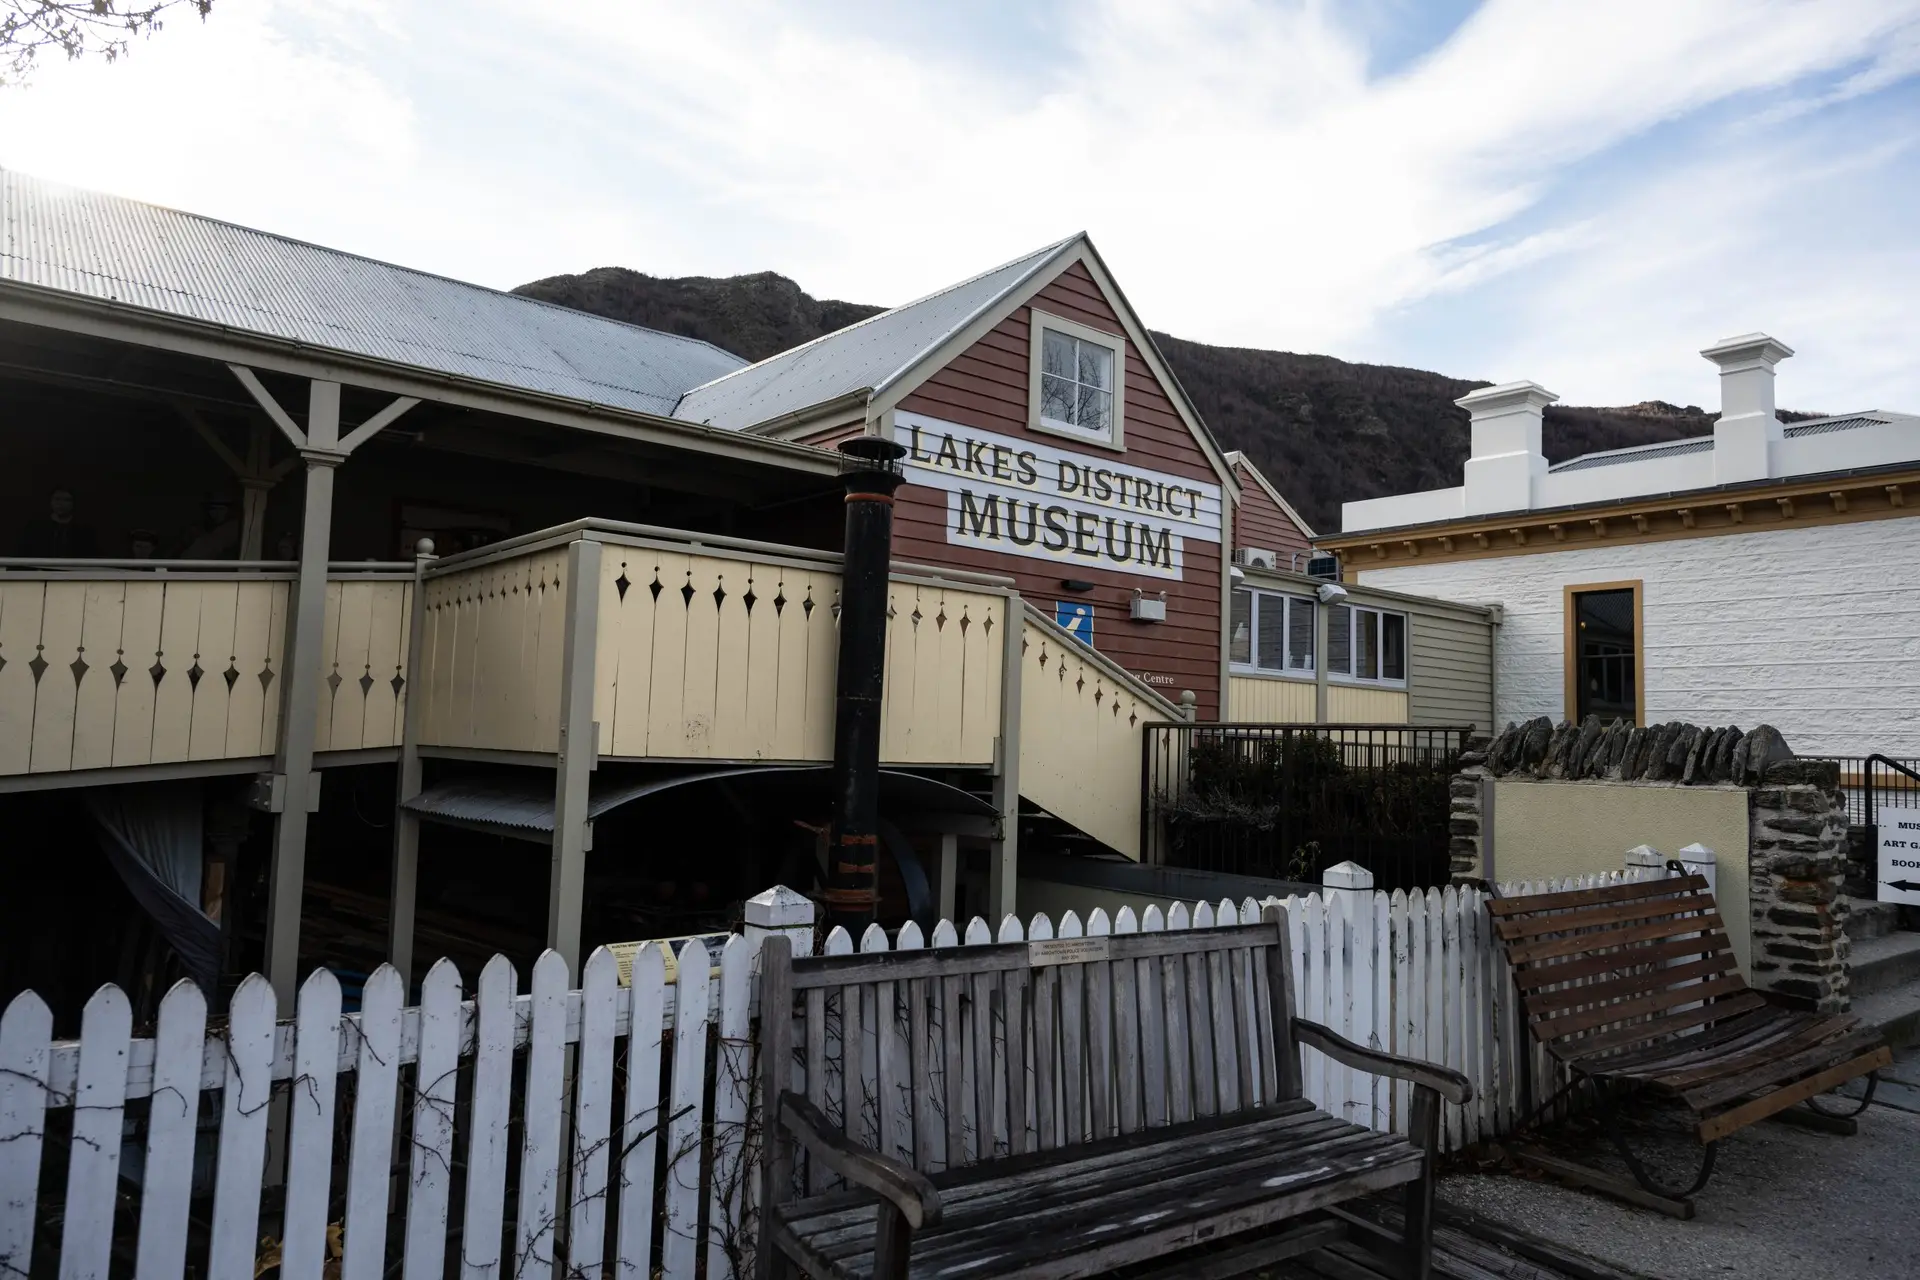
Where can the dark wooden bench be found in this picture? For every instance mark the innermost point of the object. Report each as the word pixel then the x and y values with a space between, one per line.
pixel 1063 1108
pixel 1635 988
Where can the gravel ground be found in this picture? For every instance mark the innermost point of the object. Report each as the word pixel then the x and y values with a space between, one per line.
pixel 1784 1201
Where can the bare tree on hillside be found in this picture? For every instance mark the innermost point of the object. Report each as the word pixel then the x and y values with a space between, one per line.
pixel 77 27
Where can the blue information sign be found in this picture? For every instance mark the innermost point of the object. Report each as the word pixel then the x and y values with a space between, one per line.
pixel 1076 616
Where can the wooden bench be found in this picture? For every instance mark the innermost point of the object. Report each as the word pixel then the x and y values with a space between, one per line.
pixel 1635 989
pixel 1065 1107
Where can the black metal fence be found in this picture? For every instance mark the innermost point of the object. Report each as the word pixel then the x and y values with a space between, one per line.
pixel 1287 801
pixel 1871 781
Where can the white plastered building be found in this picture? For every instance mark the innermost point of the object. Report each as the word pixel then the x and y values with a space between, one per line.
pixel 1768 573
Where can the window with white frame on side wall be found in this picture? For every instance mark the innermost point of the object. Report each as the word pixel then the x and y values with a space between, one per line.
pixel 1366 646
pixel 1271 632
pixel 1078 381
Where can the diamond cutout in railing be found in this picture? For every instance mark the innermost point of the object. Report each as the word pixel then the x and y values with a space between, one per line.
pixel 79 668
pixel 265 677
pixel 916 617
pixel 988 626
pixel 749 598
pixel 398 682
pixel 780 599
pixel 158 670
pixel 37 664
pixel 807 604
pixel 194 672
pixel 621 584
pixel 686 592
pixel 1080 683
pixel 3 664
pixel 655 586
pixel 1043 657
pixel 720 594
pixel 231 674
pixel 333 683
pixel 1116 708
pixel 1133 718
pixel 119 669
pixel 940 619
pixel 366 683
pixel 965 622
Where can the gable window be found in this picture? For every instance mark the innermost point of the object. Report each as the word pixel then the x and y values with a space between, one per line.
pixel 1078 380
pixel 1268 631
pixel 1367 645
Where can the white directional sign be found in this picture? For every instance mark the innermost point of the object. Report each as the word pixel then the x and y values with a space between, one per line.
pixel 1900 854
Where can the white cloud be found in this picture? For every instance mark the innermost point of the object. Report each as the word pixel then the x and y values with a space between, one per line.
pixel 1247 177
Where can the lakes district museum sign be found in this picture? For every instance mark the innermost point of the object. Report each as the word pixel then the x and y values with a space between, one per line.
pixel 1030 499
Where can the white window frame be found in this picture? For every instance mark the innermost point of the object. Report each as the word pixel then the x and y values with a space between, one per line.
pixel 1353 641
pixel 1286 670
pixel 1114 342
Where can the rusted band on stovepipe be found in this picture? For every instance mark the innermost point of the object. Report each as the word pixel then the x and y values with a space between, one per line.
pixel 870 497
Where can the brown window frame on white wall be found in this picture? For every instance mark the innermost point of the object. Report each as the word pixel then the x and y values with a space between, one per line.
pixel 1115 343
pixel 1570 710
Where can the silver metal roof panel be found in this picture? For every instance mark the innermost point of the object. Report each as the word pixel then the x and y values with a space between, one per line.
pixel 860 356
pixel 180 264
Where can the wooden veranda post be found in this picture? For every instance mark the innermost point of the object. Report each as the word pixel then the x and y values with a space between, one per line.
pixel 403 900
pixel 297 787
pixel 578 747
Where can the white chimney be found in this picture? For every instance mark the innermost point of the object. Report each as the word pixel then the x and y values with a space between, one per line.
pixel 1748 427
pixel 1506 462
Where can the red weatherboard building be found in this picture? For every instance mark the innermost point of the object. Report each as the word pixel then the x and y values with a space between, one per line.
pixel 1047 441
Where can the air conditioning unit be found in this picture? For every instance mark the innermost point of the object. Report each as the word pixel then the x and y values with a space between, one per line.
pixel 1146 608
pixel 1256 558
pixel 1324 566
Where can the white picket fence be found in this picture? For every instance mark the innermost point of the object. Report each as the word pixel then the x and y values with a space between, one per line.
pixel 436 1086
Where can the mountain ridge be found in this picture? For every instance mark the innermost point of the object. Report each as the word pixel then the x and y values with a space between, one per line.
pixel 1322 429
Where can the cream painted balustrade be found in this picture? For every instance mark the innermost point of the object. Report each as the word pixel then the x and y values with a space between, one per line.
pixel 109 665
pixel 1081 732
pixel 363 661
pixel 713 649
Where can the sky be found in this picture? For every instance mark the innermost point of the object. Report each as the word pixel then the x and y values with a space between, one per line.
pixel 1582 194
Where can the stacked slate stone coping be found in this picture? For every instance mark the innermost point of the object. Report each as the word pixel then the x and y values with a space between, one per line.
pixel 1796 822
pixel 1620 752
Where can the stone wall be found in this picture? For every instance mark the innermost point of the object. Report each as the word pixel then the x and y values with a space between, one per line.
pixel 1797 847
pixel 1797 888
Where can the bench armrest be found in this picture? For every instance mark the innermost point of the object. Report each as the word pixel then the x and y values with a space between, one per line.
pixel 904 1185
pixel 1445 1081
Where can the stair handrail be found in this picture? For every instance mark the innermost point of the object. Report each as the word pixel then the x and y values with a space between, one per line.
pixel 1872 813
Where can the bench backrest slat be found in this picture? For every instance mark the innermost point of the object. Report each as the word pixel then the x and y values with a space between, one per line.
pixel 1611 970
pixel 948 1056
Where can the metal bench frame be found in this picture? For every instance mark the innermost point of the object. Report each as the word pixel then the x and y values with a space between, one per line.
pixel 1094 1105
pixel 1635 990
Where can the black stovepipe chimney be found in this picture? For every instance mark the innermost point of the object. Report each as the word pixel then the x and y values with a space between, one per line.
pixel 870 469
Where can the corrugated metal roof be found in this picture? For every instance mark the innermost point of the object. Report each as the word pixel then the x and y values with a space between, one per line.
pixel 1638 453
pixel 862 355
pixel 1704 444
pixel 180 264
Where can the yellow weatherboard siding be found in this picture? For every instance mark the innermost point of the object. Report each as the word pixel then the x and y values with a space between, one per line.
pixel 1358 704
pixel 1265 700
pixel 1545 830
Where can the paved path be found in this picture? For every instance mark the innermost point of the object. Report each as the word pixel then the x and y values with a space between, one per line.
pixel 1785 1202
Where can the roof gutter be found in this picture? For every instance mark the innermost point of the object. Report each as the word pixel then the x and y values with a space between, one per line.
pixel 1505 519
pixel 140 326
